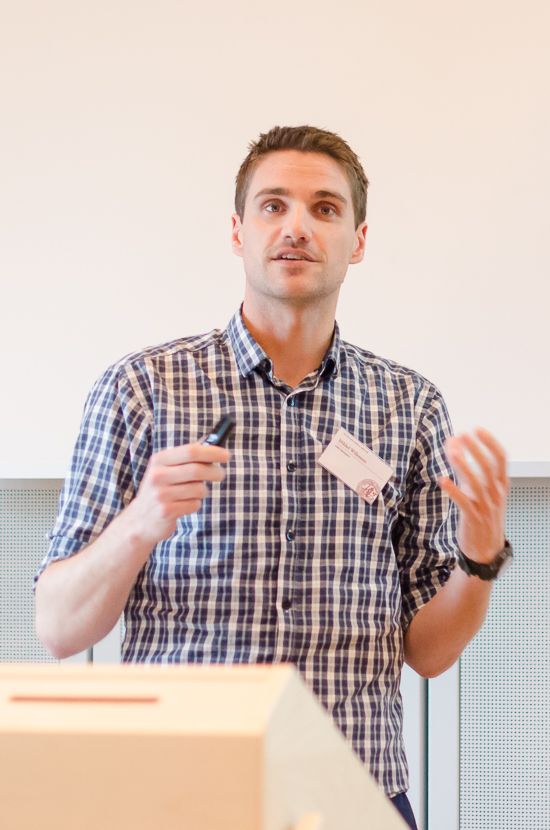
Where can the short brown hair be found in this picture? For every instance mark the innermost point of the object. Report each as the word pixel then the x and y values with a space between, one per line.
pixel 305 139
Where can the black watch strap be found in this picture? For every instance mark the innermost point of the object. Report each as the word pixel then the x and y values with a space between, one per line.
pixel 489 571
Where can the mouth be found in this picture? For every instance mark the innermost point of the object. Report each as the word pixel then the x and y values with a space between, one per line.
pixel 293 256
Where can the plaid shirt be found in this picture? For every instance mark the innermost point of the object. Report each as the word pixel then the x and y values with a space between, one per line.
pixel 282 562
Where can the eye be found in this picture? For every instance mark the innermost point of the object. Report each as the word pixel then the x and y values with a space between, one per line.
pixel 273 207
pixel 328 210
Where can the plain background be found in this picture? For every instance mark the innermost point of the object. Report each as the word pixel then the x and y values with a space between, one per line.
pixel 123 124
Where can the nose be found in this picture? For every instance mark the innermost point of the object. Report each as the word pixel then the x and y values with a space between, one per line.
pixel 296 226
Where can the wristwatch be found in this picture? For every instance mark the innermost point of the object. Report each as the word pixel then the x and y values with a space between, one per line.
pixel 487 572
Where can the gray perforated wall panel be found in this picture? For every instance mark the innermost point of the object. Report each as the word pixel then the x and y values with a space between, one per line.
pixel 505 683
pixel 26 514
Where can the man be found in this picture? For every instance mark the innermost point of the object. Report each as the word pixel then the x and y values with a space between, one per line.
pixel 282 561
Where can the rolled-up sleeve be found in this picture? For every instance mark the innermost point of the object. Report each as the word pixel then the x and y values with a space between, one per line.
pixel 108 462
pixel 424 536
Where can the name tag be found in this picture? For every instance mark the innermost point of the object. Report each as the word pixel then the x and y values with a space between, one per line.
pixel 356 465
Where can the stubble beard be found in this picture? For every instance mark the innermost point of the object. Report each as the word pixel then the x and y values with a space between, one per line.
pixel 286 290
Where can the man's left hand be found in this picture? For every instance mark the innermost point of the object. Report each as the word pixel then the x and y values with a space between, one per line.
pixel 481 494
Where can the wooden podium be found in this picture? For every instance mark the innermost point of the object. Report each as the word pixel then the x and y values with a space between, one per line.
pixel 192 748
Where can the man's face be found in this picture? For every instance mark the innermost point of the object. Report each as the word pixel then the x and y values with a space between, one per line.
pixel 298 234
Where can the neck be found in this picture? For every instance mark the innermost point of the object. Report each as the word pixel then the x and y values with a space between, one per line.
pixel 295 339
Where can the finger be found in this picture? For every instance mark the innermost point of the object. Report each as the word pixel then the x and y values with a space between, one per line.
pixel 184 492
pixel 185 507
pixel 487 467
pixel 458 496
pixel 189 453
pixel 452 450
pixel 465 474
pixel 196 472
pixel 176 501
pixel 184 473
pixel 498 452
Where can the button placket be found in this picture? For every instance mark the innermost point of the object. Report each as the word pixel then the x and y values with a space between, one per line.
pixel 286 594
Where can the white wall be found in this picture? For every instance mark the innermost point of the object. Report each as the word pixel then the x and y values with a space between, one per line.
pixel 123 123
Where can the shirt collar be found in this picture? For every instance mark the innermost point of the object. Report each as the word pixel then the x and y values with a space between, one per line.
pixel 330 366
pixel 249 355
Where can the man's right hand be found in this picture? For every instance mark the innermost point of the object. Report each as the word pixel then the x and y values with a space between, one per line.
pixel 174 485
pixel 79 599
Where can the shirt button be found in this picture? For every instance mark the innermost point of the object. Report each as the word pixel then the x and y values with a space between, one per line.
pixel 286 604
pixel 290 535
pixel 291 466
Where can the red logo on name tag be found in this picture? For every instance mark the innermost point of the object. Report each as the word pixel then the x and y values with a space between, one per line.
pixel 368 490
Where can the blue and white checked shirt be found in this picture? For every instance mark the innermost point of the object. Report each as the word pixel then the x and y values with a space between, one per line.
pixel 282 562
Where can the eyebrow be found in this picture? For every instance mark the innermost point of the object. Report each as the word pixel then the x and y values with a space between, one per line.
pixel 319 194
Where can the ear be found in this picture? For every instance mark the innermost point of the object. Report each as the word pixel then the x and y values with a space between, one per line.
pixel 237 235
pixel 359 249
